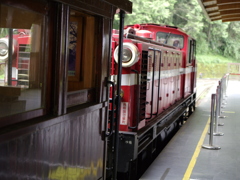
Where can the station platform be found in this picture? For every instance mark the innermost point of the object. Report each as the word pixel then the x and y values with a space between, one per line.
pixel 183 158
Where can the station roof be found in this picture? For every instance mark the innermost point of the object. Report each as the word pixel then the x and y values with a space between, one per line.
pixel 125 5
pixel 225 10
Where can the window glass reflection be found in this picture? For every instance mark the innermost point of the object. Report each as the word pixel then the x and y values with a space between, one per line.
pixel 21 64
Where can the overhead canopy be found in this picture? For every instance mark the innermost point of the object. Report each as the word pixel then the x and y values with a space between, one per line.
pixel 225 10
pixel 125 5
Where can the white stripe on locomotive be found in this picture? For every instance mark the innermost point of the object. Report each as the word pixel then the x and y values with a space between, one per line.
pixel 131 79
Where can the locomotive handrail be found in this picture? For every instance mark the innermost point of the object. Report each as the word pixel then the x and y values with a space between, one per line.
pixel 132 36
pixel 10 58
pixel 109 133
pixel 138 100
pixel 159 69
pixel 154 59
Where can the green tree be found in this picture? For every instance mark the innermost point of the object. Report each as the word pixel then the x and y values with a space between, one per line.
pixel 155 11
pixel 212 36
pixel 3 32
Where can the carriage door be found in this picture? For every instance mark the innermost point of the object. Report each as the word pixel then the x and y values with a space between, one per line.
pixel 82 93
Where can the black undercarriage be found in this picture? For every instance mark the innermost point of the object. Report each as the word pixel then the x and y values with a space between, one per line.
pixel 138 149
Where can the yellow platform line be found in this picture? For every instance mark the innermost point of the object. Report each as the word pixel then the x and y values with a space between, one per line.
pixel 196 153
pixel 228 111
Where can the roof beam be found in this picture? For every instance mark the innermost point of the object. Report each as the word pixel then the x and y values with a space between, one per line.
pixel 214 14
pixel 229 7
pixel 216 19
pixel 217 16
pixel 229 16
pixel 204 10
pixel 225 10
pixel 234 11
pixel 235 15
pixel 222 2
pixel 232 19
pixel 211 8
pixel 209 2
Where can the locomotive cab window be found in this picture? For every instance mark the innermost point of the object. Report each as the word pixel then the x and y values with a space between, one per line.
pixel 81 62
pixel 191 50
pixel 21 61
pixel 170 39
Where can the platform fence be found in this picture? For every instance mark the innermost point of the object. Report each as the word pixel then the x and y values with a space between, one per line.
pixel 218 101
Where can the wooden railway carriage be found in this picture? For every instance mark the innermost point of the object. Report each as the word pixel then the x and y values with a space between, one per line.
pixel 53 88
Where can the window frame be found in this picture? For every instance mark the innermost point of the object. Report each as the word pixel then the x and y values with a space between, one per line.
pixel 89 89
pixel 39 8
pixel 55 54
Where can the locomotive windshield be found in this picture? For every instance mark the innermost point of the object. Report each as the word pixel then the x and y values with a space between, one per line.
pixel 170 39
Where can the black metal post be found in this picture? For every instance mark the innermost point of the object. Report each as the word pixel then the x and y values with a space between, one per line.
pixel 10 52
pixel 210 145
pixel 217 110
pixel 119 79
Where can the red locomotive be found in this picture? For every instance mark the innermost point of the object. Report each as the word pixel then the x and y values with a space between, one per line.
pixel 158 90
pixel 21 57
pixel 54 90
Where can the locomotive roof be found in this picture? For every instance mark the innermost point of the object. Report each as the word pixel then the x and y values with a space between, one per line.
pixel 164 25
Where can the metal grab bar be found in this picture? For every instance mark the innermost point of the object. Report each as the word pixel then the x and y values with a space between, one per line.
pixel 159 69
pixel 138 100
pixel 154 58
pixel 109 133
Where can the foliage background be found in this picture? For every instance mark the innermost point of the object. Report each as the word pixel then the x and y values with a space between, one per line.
pixel 217 42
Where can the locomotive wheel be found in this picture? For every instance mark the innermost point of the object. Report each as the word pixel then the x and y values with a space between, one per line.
pixel 191 109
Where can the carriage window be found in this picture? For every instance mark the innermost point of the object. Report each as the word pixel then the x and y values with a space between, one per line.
pixel 170 39
pixel 21 65
pixel 82 42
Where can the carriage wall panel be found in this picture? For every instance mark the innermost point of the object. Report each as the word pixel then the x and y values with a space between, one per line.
pixel 62 150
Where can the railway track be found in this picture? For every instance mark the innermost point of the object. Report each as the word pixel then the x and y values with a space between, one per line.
pixel 203 86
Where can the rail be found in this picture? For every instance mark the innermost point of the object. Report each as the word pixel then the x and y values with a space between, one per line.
pixel 202 89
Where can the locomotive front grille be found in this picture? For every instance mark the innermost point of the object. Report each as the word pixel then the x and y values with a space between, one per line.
pixel 143 85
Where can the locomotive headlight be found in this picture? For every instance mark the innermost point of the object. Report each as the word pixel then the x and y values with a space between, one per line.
pixel 127 55
pixel 130 54
pixel 4 49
